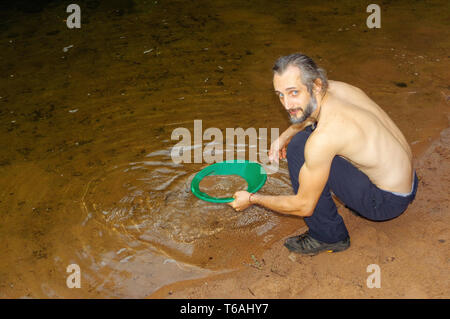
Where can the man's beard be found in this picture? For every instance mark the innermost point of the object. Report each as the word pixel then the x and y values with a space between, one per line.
pixel 310 108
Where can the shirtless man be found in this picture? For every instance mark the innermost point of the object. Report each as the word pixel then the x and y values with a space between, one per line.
pixel 342 142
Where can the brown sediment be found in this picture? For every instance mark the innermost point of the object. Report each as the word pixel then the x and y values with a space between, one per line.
pixel 222 186
pixel 86 128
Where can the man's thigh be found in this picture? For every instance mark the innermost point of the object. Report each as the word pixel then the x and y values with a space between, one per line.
pixel 352 187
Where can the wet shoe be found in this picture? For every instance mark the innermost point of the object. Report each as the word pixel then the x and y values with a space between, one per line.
pixel 305 244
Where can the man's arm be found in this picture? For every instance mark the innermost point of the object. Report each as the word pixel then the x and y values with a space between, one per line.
pixel 278 147
pixel 313 176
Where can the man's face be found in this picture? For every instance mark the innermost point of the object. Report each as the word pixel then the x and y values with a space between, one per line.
pixel 294 95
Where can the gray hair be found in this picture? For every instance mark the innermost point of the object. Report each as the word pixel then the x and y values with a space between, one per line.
pixel 308 68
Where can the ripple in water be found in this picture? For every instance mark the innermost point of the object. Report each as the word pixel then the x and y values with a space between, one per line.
pixel 151 201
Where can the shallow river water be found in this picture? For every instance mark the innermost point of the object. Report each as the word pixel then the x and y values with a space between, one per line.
pixel 87 117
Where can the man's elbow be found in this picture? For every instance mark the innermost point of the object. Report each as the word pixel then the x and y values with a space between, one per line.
pixel 304 210
pixel 304 213
pixel 308 212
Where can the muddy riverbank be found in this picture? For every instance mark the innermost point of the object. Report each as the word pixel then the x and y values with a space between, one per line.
pixel 412 252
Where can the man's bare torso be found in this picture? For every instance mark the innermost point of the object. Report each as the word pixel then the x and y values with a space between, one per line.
pixel 363 133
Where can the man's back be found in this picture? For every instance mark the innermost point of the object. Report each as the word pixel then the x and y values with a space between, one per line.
pixel 366 136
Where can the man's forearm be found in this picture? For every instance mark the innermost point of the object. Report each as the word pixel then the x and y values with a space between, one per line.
pixel 289 205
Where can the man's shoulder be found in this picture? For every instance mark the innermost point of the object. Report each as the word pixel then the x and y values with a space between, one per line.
pixel 324 134
pixel 346 93
pixel 332 135
pixel 321 142
pixel 339 85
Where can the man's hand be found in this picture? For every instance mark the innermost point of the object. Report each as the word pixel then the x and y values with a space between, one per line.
pixel 278 149
pixel 241 200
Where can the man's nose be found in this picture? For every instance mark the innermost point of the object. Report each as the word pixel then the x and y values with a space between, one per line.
pixel 287 102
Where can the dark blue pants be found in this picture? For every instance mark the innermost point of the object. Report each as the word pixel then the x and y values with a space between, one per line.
pixel 351 186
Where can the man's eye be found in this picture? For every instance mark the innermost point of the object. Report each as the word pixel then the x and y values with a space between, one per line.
pixel 280 94
pixel 295 92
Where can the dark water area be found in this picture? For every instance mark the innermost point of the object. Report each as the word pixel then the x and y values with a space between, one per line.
pixel 87 116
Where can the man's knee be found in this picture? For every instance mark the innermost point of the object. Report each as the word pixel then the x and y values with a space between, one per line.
pixel 296 146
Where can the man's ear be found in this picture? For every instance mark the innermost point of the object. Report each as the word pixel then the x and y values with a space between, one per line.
pixel 317 85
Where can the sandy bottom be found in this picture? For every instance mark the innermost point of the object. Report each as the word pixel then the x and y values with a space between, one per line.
pixel 222 186
pixel 412 252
